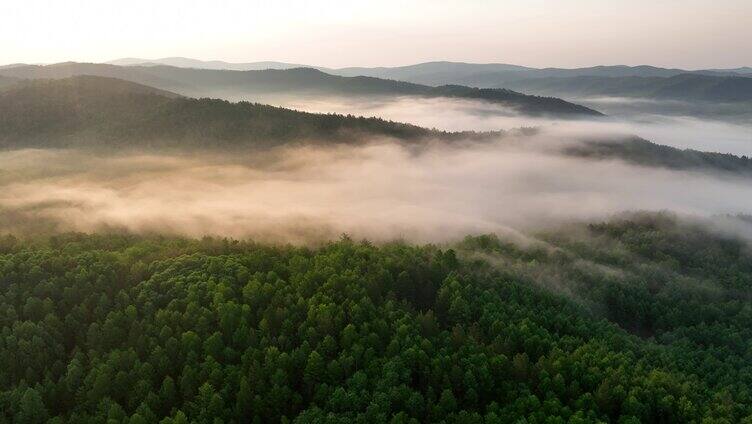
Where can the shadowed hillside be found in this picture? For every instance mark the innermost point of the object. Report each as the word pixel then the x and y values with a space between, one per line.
pixel 298 81
pixel 91 111
pixel 688 87
pixel 96 111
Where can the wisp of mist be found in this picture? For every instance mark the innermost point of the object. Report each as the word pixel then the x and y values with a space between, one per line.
pixel 380 190
pixel 625 117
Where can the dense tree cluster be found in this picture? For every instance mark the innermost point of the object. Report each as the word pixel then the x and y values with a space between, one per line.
pixel 634 320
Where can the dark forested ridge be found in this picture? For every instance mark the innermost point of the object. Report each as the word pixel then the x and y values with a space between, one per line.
pixel 108 113
pixel 298 81
pixel 642 152
pixel 445 72
pixel 683 87
pixel 638 319
pixel 97 111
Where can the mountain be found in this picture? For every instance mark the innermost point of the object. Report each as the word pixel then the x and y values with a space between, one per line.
pixel 433 73
pixel 712 85
pixel 686 87
pixel 88 111
pixel 445 72
pixel 297 82
pixel 641 152
pixel 107 112
pixel 184 62
pixel 494 74
pixel 744 70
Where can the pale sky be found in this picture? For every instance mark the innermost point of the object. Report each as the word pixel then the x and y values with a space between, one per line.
pixel 564 33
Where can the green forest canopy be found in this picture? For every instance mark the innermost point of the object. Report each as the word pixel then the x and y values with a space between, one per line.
pixel 637 319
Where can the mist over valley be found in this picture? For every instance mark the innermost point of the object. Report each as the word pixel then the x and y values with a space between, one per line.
pixel 376 212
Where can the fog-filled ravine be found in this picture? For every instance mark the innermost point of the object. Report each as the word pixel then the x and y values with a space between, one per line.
pixel 91 154
pixel 378 190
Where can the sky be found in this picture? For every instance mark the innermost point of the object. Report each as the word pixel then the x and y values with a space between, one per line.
pixel 690 34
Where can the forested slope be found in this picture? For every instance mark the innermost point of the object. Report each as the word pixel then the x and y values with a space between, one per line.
pixel 682 87
pixel 297 82
pixel 118 328
pixel 96 111
pixel 642 152
pixel 86 111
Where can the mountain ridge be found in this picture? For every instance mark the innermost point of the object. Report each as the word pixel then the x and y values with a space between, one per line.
pixel 297 81
pixel 89 111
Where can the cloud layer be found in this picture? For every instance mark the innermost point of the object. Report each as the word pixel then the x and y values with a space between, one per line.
pixel 377 190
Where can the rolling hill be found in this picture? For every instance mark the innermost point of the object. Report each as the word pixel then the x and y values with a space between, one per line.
pixel 107 112
pixel 87 111
pixel 638 319
pixel 297 81
pixel 446 72
pixel 686 87
pixel 710 85
pixel 184 62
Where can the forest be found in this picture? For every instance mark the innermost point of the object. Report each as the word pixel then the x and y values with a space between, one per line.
pixel 375 212
pixel 639 318
pixel 113 114
pixel 298 82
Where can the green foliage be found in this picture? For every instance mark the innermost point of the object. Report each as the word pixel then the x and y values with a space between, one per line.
pixel 647 322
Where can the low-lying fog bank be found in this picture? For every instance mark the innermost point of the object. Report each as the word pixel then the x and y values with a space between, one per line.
pixel 649 119
pixel 378 190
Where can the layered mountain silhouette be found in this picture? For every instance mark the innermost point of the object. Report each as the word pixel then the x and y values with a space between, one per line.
pixel 629 81
pixel 679 87
pixel 88 111
pixel 296 81
pixel 108 113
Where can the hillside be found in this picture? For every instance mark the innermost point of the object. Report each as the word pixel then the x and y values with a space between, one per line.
pixel 637 319
pixel 685 87
pixel 107 112
pixel 298 82
pixel 101 112
pixel 449 73
pixel 498 74
pixel 184 62
pixel 644 153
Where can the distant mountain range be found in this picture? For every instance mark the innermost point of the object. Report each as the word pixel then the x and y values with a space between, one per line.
pixel 492 75
pixel 184 62
pixel 107 113
pixel 686 87
pixel 709 85
pixel 442 72
pixel 296 81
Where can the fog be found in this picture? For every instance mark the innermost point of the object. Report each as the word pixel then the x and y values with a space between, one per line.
pixel 661 122
pixel 378 190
